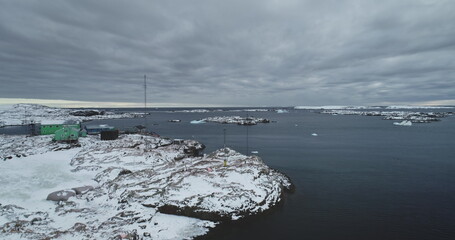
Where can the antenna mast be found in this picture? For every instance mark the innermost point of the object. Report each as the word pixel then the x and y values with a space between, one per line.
pixel 145 102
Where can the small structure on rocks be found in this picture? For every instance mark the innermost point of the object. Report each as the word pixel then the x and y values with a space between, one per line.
pixel 97 129
pixel 50 127
pixel 109 135
pixel 67 134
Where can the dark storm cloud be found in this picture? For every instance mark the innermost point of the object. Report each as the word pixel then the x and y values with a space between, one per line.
pixel 229 52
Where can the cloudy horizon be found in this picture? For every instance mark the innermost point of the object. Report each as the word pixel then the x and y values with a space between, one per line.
pixel 228 53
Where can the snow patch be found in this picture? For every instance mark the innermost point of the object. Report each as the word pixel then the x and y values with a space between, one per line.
pixel 282 111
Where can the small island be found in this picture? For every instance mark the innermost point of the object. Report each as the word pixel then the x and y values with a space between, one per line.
pixel 247 121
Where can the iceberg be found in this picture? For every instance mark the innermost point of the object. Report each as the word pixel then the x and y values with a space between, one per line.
pixel 282 111
pixel 197 121
pixel 403 123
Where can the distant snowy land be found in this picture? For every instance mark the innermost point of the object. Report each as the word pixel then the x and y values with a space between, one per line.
pixel 411 116
pixel 270 109
pixel 402 113
pixel 339 107
pixel 22 114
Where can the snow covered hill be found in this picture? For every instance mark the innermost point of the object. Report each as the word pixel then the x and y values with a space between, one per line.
pixel 143 188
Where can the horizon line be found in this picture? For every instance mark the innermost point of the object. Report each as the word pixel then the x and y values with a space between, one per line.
pixel 95 104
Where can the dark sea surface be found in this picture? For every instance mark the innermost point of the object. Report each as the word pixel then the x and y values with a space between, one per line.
pixel 360 178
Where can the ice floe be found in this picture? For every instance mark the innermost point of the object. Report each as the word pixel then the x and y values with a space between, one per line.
pixel 403 123
pixel 282 111
pixel 197 121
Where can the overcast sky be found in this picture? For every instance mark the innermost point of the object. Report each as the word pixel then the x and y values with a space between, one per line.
pixel 219 52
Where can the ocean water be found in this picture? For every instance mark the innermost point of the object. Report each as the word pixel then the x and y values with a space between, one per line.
pixel 359 178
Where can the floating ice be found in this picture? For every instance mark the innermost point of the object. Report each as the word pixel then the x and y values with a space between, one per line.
pixel 314 134
pixel 282 111
pixel 197 121
pixel 403 123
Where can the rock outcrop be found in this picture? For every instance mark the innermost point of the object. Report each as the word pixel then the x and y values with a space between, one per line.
pixel 140 181
pixel 62 195
pixel 87 113
pixel 234 120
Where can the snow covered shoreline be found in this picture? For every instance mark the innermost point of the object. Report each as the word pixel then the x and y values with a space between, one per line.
pixel 232 120
pixel 138 181
pixel 23 114
pixel 392 107
pixel 411 116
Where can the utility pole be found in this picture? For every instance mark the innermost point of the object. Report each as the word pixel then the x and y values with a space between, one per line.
pixel 224 132
pixel 145 113
pixel 247 125
pixel 25 114
pixel 145 102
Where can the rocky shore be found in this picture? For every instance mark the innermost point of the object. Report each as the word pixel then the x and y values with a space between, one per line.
pixel 235 120
pixel 141 187
pixel 24 114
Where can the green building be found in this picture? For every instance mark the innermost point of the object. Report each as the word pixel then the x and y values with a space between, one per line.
pixel 66 133
pixel 51 128
pixel 82 133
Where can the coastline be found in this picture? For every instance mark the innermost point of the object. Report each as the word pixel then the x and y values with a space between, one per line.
pixel 128 178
